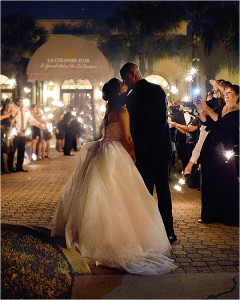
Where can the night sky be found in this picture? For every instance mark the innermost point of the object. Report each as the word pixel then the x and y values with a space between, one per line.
pixel 89 10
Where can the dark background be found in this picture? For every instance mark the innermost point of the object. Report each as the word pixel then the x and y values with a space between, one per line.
pixel 83 10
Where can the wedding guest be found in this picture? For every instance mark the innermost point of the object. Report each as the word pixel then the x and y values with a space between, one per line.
pixel 218 89
pixel 105 209
pixel 147 106
pixel 24 116
pixel 187 126
pixel 220 185
pixel 178 118
pixel 37 134
pixel 47 135
pixel 60 134
pixel 220 86
pixel 69 135
pixel 7 120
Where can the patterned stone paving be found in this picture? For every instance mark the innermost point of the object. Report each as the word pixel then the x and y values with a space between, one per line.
pixel 31 198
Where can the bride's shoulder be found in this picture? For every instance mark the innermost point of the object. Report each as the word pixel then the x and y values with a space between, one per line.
pixel 123 109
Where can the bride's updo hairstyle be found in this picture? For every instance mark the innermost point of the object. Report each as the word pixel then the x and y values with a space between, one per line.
pixel 110 89
pixel 110 93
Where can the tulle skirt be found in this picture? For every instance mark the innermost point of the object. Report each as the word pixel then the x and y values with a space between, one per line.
pixel 106 211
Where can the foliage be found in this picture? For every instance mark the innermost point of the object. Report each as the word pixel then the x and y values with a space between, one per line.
pixel 20 33
pixel 32 268
pixel 145 31
pixel 215 24
pixel 133 27
pixel 80 28
pixel 21 37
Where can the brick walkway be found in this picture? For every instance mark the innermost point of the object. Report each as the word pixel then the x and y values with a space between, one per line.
pixel 31 198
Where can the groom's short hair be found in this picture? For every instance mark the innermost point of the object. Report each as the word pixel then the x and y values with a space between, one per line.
pixel 129 66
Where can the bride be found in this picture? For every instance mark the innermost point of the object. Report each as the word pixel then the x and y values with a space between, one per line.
pixel 105 209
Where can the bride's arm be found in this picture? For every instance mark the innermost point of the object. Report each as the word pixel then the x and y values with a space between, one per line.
pixel 127 138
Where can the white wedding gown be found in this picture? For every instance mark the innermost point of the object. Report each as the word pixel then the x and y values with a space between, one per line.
pixel 106 211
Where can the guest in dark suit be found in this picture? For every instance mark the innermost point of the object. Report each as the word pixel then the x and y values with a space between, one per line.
pixel 181 147
pixel 187 126
pixel 69 134
pixel 147 106
pixel 23 117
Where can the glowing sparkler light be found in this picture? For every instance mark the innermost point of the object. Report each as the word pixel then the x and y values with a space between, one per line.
pixel 13 131
pixel 73 113
pixel 57 103
pixel 49 127
pixel 177 187
pixel 189 77
pixel 34 156
pixel 12 82
pixel 4 96
pixel 79 119
pixel 26 102
pixel 50 116
pixel 27 90
pixel 174 90
pixel 196 92
pixel 186 99
pixel 181 181
pixel 193 71
pixel 229 154
pixel 28 132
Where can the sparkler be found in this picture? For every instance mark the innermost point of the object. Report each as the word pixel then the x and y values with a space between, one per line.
pixel 13 132
pixel 26 102
pixel 34 156
pixel 49 127
pixel 229 154
pixel 174 90
pixel 28 132
pixel 178 187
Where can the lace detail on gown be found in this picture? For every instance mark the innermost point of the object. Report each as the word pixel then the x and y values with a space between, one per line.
pixel 112 132
pixel 106 211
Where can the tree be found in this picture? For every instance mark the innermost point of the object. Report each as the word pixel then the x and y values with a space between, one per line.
pixel 138 27
pixel 21 37
pixel 213 25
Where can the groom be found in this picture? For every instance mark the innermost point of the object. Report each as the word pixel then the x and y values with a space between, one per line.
pixel 147 106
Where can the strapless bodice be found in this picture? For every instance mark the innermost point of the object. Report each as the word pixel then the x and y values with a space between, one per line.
pixel 112 132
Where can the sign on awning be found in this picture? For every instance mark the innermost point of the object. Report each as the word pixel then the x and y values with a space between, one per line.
pixel 68 57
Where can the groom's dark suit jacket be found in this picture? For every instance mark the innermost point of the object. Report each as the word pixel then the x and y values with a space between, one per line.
pixel 147 106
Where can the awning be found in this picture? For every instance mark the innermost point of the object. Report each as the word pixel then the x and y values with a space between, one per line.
pixel 69 57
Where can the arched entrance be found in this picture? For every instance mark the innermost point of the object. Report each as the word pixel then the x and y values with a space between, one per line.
pixel 72 70
pixel 7 87
pixel 158 80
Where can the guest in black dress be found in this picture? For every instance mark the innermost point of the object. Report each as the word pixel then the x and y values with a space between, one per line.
pixel 6 134
pixel 60 134
pixel 220 185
